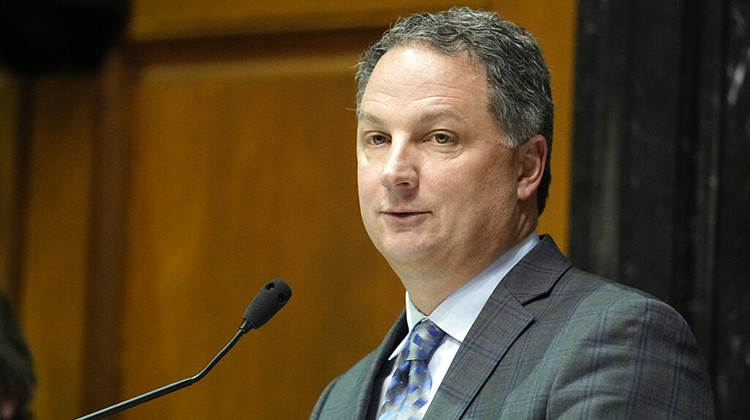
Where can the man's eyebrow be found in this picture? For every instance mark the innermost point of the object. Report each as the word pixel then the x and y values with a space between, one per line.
pixel 366 116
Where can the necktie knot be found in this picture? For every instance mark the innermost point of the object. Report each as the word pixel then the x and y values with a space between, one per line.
pixel 425 337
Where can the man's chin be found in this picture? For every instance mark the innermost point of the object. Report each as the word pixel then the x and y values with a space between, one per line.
pixel 408 253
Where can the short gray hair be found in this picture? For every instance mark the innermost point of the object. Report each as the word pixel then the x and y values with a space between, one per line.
pixel 519 94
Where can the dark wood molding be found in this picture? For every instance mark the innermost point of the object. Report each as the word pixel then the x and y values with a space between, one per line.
pixel 14 161
pixel 107 240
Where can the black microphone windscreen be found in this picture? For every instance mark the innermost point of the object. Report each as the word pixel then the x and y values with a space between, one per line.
pixel 272 297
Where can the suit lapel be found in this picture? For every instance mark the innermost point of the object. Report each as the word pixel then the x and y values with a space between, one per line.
pixel 502 320
pixel 370 374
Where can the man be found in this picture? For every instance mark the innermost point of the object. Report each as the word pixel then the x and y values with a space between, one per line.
pixel 453 142
pixel 17 378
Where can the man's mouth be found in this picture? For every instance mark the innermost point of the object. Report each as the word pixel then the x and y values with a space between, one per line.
pixel 404 214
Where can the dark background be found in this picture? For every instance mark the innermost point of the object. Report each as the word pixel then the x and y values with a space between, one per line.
pixel 660 187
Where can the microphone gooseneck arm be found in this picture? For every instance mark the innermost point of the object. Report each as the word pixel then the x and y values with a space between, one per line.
pixel 156 393
pixel 272 297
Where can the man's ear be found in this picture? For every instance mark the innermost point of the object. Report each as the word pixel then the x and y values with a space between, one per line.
pixel 532 157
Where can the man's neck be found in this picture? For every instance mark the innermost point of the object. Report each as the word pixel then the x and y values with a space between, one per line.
pixel 427 289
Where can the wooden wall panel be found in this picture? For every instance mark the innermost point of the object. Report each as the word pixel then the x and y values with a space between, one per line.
pixel 175 19
pixel 55 253
pixel 243 170
pixel 239 150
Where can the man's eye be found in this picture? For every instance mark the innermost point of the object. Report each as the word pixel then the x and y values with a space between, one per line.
pixel 442 138
pixel 378 139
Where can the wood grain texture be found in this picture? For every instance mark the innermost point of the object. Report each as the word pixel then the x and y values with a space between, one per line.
pixel 228 159
pixel 173 19
pixel 243 170
pixel 55 252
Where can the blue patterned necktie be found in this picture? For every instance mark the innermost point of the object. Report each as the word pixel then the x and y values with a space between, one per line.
pixel 409 389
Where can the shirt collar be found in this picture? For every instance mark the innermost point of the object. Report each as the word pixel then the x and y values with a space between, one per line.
pixel 456 314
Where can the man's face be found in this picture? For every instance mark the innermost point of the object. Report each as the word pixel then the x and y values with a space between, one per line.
pixel 437 188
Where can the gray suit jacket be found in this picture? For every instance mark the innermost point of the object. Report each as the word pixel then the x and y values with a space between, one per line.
pixel 553 342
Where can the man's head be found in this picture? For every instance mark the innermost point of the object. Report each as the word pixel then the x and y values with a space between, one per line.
pixel 453 111
pixel 445 184
pixel 519 95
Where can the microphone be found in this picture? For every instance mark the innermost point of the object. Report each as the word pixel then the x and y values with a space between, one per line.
pixel 271 298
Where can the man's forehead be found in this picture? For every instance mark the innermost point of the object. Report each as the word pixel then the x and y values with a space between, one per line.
pixel 442 113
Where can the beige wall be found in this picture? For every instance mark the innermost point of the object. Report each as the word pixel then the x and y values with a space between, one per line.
pixel 213 152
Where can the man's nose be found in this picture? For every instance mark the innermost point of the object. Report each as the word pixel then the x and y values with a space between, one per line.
pixel 400 170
